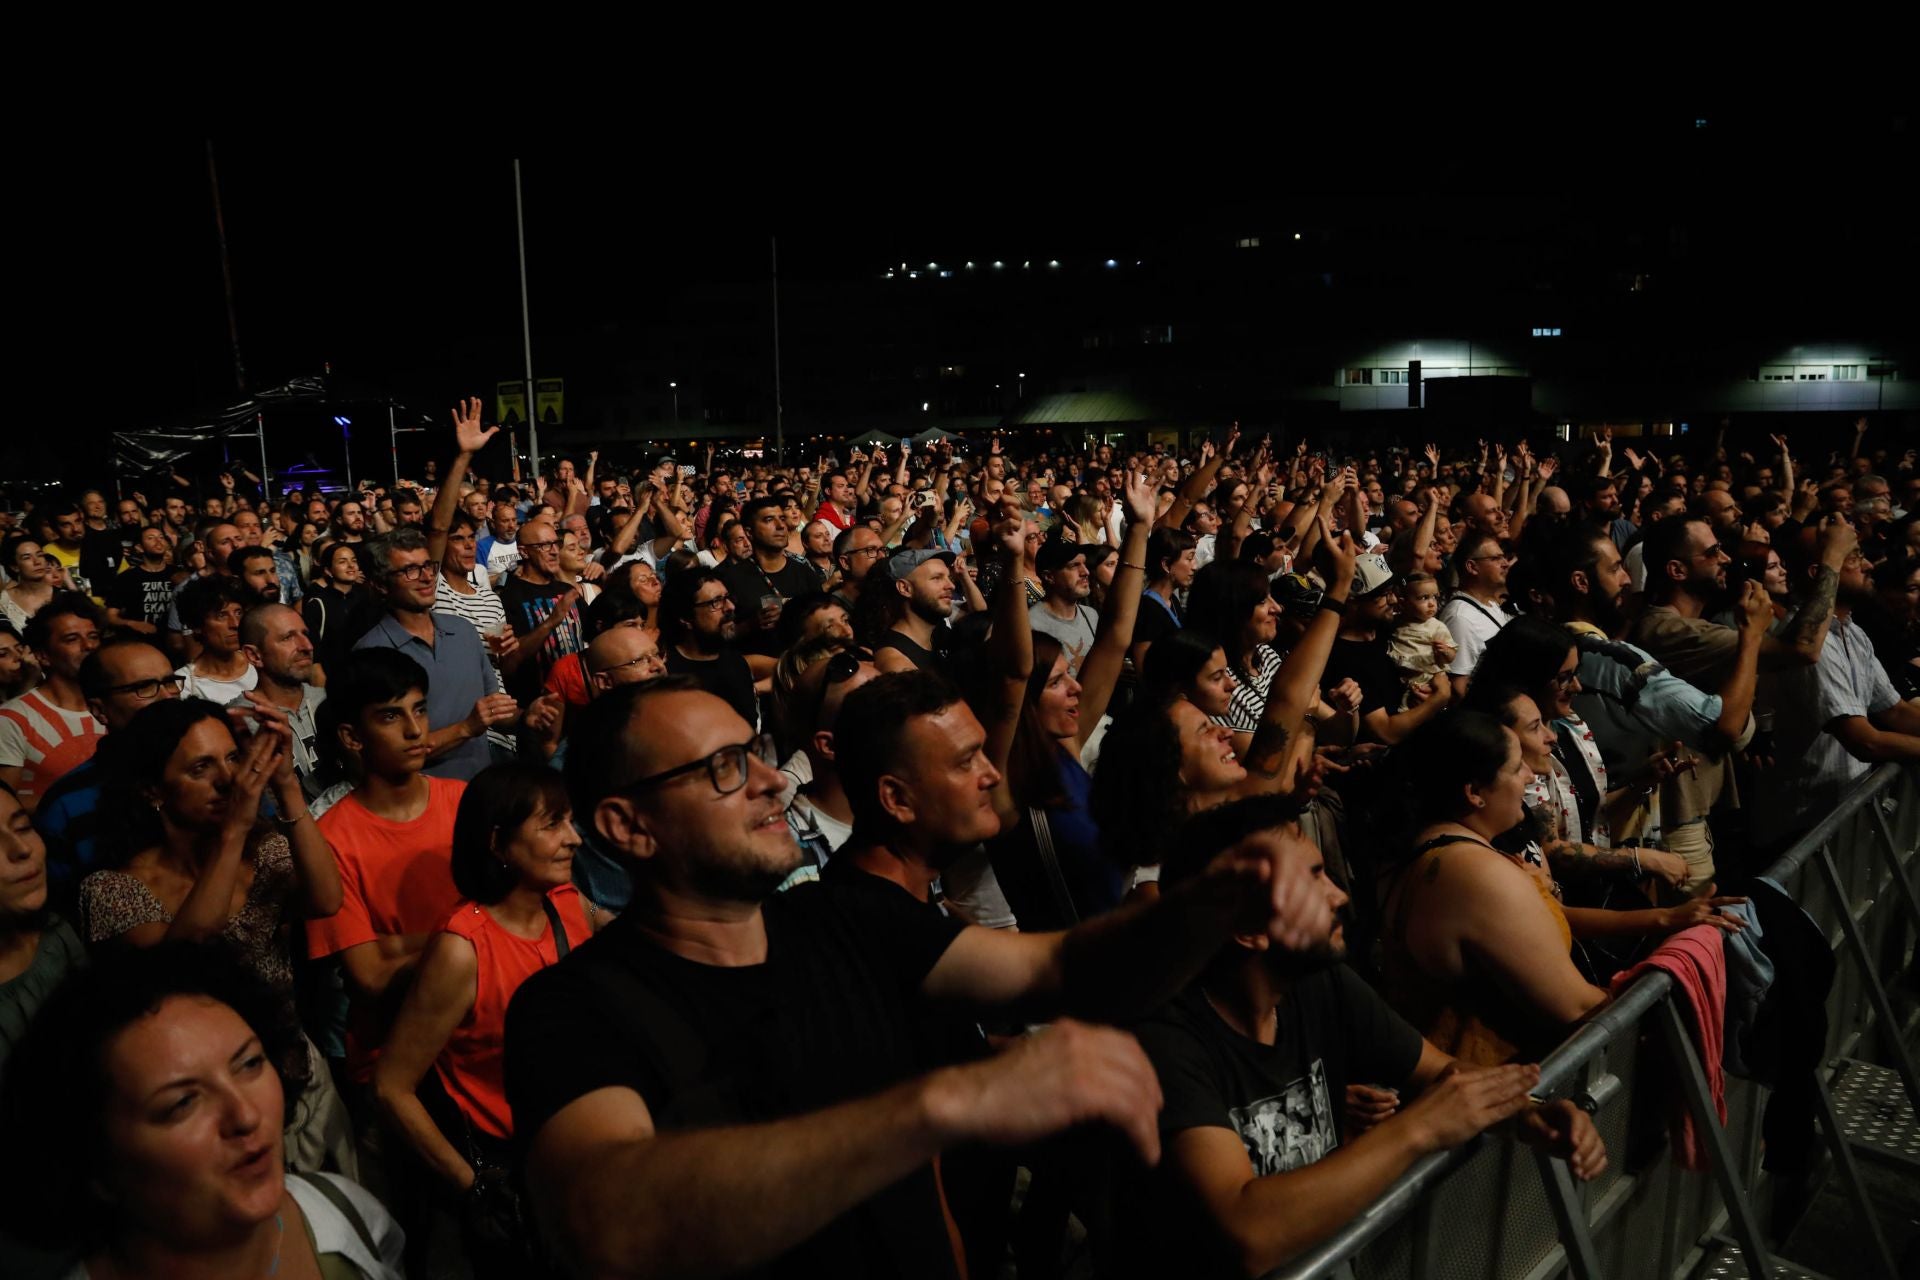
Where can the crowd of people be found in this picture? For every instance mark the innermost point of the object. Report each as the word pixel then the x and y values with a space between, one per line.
pixel 964 860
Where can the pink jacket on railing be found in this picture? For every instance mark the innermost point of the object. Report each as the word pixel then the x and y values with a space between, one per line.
pixel 1696 959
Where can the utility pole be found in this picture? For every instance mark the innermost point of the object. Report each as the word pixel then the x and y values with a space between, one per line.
pixel 226 274
pixel 526 324
pixel 779 425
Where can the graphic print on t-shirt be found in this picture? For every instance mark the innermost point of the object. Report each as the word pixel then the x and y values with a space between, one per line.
pixel 1292 1128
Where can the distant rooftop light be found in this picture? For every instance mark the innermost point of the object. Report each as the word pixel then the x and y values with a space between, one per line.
pixel 998 265
pixel 1296 235
pixel 1054 263
pixel 933 266
pixel 1112 263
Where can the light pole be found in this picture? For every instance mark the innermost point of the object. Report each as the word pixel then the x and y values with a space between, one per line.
pixel 1020 386
pixel 675 388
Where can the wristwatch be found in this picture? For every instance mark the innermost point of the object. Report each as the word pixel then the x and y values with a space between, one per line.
pixel 1333 606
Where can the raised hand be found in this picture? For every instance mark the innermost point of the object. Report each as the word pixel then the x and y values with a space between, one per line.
pixel 1339 555
pixel 1756 608
pixel 1140 498
pixel 1635 461
pixel 259 761
pixel 1433 454
pixel 1206 450
pixel 1780 443
pixel 1547 467
pixel 467 431
pixel 1233 438
pixel 995 447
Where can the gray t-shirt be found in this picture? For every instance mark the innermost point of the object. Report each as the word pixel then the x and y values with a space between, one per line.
pixel 1075 635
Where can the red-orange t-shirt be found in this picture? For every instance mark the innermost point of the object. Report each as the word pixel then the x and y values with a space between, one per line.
pixel 395 878
pixel 472 1067
pixel 569 679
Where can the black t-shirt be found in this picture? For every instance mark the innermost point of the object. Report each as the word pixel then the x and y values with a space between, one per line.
pixel 141 595
pixel 1365 662
pixel 102 552
pixel 1153 622
pixel 726 676
pixel 1285 1101
pixel 827 1018
pixel 748 583
pixel 528 605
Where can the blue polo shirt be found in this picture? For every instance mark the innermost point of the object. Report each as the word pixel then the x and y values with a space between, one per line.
pixel 458 675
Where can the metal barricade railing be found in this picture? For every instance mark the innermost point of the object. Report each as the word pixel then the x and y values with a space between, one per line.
pixel 1477 1213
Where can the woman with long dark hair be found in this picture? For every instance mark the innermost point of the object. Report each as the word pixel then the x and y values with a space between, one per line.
pixel 1476 951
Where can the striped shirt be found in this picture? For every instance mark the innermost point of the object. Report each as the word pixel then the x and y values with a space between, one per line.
pixel 43 741
pixel 1249 700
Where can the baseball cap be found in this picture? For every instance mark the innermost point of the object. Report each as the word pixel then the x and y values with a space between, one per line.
pixel 1057 553
pixel 901 564
pixel 1296 594
pixel 1371 574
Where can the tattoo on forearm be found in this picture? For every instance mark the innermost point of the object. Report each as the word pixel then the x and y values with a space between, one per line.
pixel 1818 608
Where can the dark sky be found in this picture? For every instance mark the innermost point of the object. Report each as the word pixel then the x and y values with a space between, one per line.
pixel 392 254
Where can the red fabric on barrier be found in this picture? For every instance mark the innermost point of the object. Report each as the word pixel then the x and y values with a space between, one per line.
pixel 1696 959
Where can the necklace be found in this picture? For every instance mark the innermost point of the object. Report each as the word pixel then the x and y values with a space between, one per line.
pixel 280 1224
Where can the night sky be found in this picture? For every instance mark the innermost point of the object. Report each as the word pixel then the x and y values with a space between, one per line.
pixel 394 258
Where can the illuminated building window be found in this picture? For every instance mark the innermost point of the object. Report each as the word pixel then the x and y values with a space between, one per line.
pixel 1846 373
pixel 1247 242
pixel 1359 378
pixel 1390 377
pixel 1813 377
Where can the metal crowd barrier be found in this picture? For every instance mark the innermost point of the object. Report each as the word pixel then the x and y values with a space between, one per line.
pixel 1480 1213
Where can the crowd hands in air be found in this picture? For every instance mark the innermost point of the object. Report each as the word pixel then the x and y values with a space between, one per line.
pixel 661 868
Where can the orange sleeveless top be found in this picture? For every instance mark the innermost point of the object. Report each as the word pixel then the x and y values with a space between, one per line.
pixel 1465 1017
pixel 472 1066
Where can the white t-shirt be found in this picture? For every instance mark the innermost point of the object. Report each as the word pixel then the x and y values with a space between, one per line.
pixel 1472 624
pixel 217 691
pixel 1637 566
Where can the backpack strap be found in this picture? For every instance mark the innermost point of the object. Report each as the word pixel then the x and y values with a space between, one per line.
pixel 1050 863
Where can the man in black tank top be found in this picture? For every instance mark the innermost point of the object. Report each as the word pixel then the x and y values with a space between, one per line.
pixel 924 581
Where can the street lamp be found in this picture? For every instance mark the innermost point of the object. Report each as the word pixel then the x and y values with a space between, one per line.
pixel 1020 386
pixel 675 388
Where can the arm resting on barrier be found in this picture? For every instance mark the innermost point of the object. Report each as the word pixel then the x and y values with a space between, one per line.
pixel 1864 740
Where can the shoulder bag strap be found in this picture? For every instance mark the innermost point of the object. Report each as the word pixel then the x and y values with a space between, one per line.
pixel 339 1200
pixel 1050 863
pixel 560 944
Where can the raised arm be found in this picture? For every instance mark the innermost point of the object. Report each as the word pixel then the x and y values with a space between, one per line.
pixel 1100 673
pixel 203 916
pixel 1010 652
pixel 469 438
pixel 1297 682
pixel 1200 483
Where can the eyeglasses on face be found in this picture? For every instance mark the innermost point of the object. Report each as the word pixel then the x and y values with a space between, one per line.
pixel 727 768
pixel 1566 679
pixel 539 546
pixel 415 572
pixel 715 605
pixel 650 658
pixel 148 690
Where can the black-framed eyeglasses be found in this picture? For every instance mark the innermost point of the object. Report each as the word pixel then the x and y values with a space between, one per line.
pixel 1708 553
pixel 870 552
pixel 415 572
pixel 539 546
pixel 148 690
pixel 1566 679
pixel 714 605
pixel 726 768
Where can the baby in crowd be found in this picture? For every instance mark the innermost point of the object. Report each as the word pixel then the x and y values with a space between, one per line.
pixel 1421 646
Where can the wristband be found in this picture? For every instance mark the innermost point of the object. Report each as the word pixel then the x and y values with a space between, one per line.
pixel 1331 605
pixel 288 824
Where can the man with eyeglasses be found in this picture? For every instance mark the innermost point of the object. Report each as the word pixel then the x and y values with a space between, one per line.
pixel 464 696
pixel 727 1079
pixel 857 551
pixel 696 626
pixel 125 675
pixel 1477 611
pixel 543 611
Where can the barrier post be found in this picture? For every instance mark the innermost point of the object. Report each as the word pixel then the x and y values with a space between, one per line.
pixel 1891 848
pixel 1870 974
pixel 1571 1215
pixel 1706 1120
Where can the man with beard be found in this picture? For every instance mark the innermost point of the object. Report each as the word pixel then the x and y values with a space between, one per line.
pixel 257 572
pixel 696 624
pixel 768 578
pixel 350 522
pixel 1064 612
pixel 138 599
pixel 728 1080
pixel 1835 720
pixel 1687 561
pixel 274 639
pixel 1634 705
pixel 924 586
pixel 855 553
pixel 1266 1058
